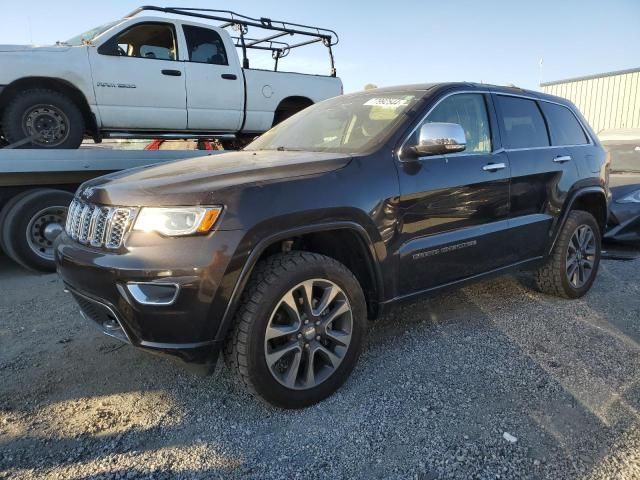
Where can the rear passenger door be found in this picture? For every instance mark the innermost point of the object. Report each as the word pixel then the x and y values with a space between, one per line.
pixel 215 88
pixel 541 174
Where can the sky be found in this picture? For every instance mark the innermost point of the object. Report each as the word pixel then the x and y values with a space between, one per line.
pixel 403 41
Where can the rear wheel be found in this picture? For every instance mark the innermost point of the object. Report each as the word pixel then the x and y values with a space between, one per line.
pixel 299 330
pixel 572 267
pixel 49 118
pixel 31 225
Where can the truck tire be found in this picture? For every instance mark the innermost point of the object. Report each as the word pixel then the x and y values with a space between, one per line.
pixel 31 226
pixel 286 352
pixel 573 264
pixel 5 210
pixel 52 116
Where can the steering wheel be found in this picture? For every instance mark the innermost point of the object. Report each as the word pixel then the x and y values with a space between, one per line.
pixel 121 51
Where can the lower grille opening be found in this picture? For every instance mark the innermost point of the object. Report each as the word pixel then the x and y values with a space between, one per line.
pixel 103 316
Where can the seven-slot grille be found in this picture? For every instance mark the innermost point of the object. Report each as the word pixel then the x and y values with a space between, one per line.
pixel 98 226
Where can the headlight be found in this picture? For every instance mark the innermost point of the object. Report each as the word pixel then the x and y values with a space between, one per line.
pixel 631 198
pixel 177 221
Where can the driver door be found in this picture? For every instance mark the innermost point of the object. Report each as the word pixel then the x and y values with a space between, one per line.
pixel 138 82
pixel 454 208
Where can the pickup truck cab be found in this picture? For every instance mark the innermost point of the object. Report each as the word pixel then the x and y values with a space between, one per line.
pixel 154 76
pixel 284 250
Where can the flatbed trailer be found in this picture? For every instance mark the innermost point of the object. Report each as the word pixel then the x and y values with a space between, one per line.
pixel 36 187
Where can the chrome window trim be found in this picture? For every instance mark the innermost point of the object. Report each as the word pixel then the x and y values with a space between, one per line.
pixel 500 150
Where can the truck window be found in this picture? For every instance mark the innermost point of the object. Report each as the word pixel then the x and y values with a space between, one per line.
pixel 563 125
pixel 155 41
pixel 205 45
pixel 522 123
pixel 468 110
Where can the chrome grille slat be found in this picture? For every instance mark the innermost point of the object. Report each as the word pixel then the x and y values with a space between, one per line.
pixel 98 226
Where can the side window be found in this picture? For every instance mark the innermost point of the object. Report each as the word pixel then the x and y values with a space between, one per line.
pixel 205 45
pixel 523 123
pixel 563 125
pixel 469 110
pixel 155 41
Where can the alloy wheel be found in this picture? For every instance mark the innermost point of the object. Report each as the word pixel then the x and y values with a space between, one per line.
pixel 581 256
pixel 308 334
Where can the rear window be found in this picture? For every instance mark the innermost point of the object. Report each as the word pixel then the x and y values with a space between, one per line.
pixel 563 125
pixel 522 123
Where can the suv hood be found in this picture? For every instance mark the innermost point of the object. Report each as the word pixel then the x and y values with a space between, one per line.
pixel 205 180
pixel 34 48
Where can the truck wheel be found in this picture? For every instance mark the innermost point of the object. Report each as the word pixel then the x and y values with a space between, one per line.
pixel 572 267
pixel 31 226
pixel 5 210
pixel 51 117
pixel 299 330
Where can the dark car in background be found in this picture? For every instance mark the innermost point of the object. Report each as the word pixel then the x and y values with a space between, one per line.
pixel 623 146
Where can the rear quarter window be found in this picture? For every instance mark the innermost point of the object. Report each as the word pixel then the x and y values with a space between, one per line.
pixel 563 125
pixel 522 123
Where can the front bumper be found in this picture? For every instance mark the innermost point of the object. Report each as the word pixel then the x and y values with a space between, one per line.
pixel 202 269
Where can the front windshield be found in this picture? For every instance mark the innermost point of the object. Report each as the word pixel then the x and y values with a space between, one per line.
pixel 89 35
pixel 346 124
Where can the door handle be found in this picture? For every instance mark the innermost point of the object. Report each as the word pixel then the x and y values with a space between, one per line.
pixel 562 158
pixel 493 167
pixel 229 76
pixel 172 73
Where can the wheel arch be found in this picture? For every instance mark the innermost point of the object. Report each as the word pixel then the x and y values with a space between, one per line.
pixel 589 199
pixel 56 84
pixel 293 103
pixel 311 238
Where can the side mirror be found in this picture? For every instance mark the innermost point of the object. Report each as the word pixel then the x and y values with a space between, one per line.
pixel 439 138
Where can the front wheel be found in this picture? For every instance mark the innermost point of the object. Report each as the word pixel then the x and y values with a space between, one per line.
pixel 299 330
pixel 42 118
pixel 572 267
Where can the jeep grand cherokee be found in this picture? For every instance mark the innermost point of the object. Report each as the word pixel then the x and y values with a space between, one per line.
pixel 280 254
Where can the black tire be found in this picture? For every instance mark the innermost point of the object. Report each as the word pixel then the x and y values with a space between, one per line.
pixel 28 214
pixel 52 107
pixel 5 210
pixel 553 277
pixel 245 351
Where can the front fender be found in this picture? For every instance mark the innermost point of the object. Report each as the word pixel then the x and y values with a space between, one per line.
pixel 254 253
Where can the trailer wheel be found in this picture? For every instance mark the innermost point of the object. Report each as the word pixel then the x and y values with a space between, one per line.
pixel 50 117
pixel 31 226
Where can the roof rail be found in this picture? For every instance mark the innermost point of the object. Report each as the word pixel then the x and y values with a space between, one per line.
pixel 241 23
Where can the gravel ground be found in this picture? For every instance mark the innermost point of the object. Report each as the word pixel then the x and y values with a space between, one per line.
pixel 489 381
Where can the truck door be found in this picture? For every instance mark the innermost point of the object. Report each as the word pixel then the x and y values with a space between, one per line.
pixel 454 208
pixel 138 80
pixel 215 87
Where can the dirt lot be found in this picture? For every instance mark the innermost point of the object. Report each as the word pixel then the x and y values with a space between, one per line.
pixel 440 384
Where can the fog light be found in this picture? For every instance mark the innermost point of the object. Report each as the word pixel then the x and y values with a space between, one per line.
pixel 148 293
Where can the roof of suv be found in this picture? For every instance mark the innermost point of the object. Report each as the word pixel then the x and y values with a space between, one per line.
pixel 475 86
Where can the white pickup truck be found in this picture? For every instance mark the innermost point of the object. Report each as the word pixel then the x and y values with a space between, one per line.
pixel 157 76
